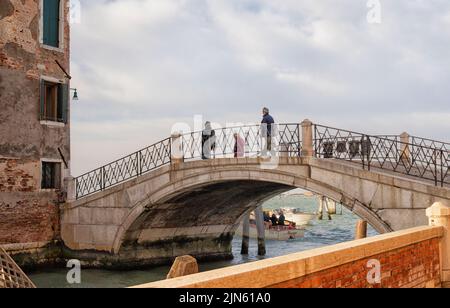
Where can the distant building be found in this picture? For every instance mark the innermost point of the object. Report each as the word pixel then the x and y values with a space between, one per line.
pixel 34 118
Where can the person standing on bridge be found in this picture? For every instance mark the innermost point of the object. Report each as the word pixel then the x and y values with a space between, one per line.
pixel 267 132
pixel 208 141
pixel 239 146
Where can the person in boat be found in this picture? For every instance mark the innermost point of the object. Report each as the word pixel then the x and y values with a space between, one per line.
pixel 274 219
pixel 239 145
pixel 267 222
pixel 266 217
pixel 281 219
pixel 208 141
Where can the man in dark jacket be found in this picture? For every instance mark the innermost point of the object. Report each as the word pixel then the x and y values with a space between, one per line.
pixel 274 219
pixel 208 141
pixel 267 130
pixel 281 219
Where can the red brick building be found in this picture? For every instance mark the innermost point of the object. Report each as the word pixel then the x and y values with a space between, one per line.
pixel 34 118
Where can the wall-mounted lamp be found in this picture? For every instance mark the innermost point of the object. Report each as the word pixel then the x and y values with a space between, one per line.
pixel 75 94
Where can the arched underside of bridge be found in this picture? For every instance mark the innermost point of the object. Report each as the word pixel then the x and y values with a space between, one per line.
pixel 201 220
pixel 194 208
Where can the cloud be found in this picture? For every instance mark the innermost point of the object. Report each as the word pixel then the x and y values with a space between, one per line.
pixel 142 65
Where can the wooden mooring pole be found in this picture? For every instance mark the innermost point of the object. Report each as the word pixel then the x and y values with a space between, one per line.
pixel 259 216
pixel 361 230
pixel 323 206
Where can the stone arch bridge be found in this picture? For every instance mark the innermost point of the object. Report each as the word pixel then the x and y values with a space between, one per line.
pixel 162 201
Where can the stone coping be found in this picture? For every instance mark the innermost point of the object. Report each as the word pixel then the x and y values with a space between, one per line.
pixel 11 248
pixel 187 165
pixel 342 167
pixel 277 270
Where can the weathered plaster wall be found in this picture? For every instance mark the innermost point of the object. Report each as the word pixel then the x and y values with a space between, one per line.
pixel 23 61
pixel 26 213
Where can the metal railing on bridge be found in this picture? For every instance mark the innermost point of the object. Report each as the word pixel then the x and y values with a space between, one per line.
pixel 288 138
pixel 421 158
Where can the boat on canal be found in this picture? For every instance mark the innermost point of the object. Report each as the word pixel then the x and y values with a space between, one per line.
pixel 297 216
pixel 290 231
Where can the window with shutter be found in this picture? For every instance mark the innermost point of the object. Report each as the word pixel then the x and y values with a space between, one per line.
pixel 63 98
pixel 51 175
pixel 54 102
pixel 42 101
pixel 51 16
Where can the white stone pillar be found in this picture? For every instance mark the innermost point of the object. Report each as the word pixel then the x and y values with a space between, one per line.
pixel 320 211
pixel 331 206
pixel 439 215
pixel 307 138
pixel 70 187
pixel 177 155
pixel 405 153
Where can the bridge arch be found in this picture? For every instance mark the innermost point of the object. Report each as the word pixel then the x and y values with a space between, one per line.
pixel 193 207
pixel 136 207
pixel 214 184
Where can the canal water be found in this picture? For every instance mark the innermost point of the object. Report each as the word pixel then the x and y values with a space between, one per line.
pixel 318 234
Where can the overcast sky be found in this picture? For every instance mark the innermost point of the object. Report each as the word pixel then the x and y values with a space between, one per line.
pixel 140 66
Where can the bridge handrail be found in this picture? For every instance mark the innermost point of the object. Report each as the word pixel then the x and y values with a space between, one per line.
pixel 288 135
pixel 385 152
pixel 422 141
pixel 416 158
pixel 124 169
pixel 159 154
pixel 431 143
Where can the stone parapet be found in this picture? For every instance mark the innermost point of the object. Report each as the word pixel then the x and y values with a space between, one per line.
pixel 407 258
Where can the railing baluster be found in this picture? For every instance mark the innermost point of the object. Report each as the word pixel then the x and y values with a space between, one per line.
pixel 316 150
pixel 442 168
pixel 363 154
pixel 103 184
pixel 369 150
pixel 138 164
pixel 435 168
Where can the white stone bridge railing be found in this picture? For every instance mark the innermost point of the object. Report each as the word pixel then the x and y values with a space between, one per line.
pixel 410 156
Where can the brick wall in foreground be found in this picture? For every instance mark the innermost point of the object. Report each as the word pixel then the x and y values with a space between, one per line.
pixel 409 258
pixel 414 266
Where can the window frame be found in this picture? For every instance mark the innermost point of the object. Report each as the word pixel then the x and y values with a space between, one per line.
pixel 48 122
pixel 60 174
pixel 61 26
